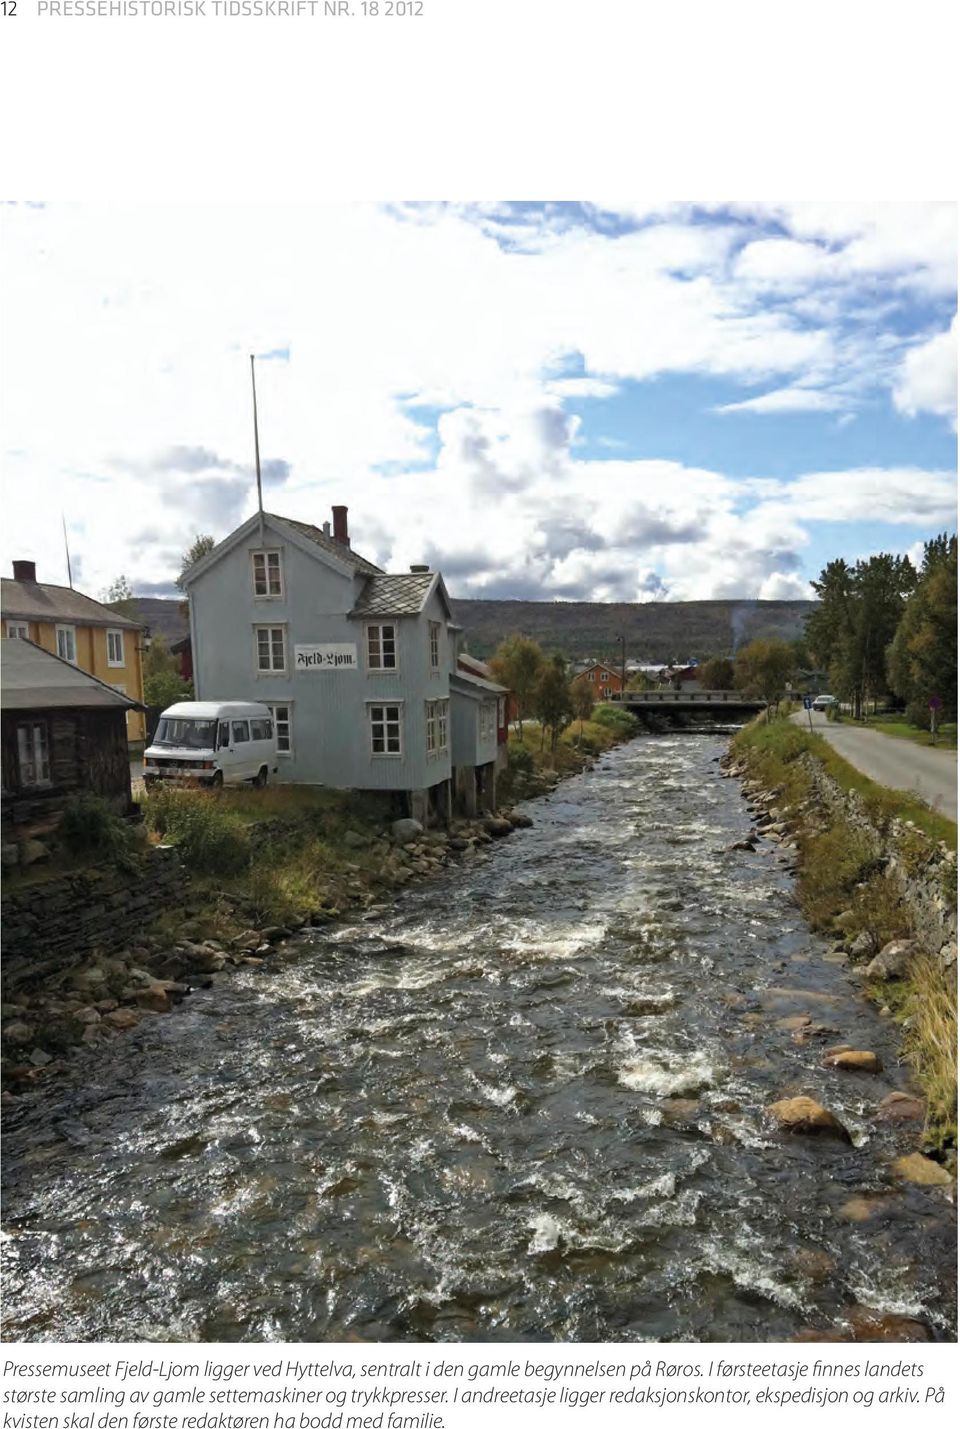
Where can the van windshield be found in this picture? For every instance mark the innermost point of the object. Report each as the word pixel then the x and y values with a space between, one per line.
pixel 186 733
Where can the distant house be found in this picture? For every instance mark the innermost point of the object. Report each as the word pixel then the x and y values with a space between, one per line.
pixel 80 630
pixel 356 664
pixel 603 680
pixel 63 731
pixel 472 666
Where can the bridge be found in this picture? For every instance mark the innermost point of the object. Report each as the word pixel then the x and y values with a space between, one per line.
pixel 712 702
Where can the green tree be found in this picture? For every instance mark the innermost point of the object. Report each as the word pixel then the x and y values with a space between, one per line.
pixel 717 674
pixel 922 660
pixel 202 546
pixel 763 668
pixel 119 596
pixel 851 629
pixel 581 699
pixel 639 682
pixel 163 683
pixel 518 664
pixel 553 703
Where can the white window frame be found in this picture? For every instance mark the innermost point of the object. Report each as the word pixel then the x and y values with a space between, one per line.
pixel 264 557
pixel 604 677
pixel 379 668
pixel 18 630
pixel 71 631
pixel 115 664
pixel 488 723
pixel 431 713
pixel 443 726
pixel 433 645
pixel 371 722
pixel 287 705
pixel 270 669
pixel 38 756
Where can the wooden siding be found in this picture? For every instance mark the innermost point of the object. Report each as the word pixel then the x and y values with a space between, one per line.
pixel 88 751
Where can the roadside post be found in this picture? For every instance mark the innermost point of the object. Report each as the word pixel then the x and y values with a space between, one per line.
pixel 808 706
pixel 935 704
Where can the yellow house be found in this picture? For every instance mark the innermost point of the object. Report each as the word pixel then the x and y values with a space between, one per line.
pixel 78 629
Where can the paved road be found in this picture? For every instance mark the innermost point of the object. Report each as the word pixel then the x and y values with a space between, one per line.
pixel 931 774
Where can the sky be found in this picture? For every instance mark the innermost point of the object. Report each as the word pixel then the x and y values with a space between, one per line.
pixel 550 401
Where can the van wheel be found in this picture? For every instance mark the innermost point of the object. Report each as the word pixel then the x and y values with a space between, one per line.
pixel 217 781
pixel 261 780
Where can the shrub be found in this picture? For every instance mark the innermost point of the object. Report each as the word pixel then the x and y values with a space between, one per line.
pixel 616 718
pixel 918 714
pixel 210 838
pixel 90 826
pixel 519 759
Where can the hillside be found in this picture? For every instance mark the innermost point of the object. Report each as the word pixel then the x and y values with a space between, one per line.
pixel 658 630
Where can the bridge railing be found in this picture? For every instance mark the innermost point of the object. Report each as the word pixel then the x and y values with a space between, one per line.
pixel 673 697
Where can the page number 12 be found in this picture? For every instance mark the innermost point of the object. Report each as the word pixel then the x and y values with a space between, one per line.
pixel 9 6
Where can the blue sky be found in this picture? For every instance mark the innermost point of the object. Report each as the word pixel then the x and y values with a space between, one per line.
pixel 573 401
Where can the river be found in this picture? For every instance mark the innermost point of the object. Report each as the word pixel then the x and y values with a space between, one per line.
pixel 524 1102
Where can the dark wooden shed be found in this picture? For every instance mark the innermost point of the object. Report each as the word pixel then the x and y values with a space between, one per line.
pixel 63 731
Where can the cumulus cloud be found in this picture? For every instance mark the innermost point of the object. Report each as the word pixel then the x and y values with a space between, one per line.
pixel 927 381
pixel 425 360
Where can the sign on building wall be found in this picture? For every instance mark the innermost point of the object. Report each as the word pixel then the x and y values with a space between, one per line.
pixel 325 657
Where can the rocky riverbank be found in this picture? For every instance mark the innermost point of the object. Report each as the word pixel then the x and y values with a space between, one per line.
pixel 886 897
pixel 92 999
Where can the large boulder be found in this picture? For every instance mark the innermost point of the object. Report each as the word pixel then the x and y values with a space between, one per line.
pixel 921 1171
pixel 18 1034
pixel 806 1117
pixel 899 1106
pixel 33 851
pixel 406 831
pixel 497 828
pixel 863 946
pixel 893 960
pixel 851 1061
pixel 122 1018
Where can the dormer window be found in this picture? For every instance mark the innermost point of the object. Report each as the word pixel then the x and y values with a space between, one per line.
pixel 381 647
pixel 267 575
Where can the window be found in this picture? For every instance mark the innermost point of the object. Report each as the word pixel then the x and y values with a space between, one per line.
pixel 431 726
pixel 186 733
pixel 271 647
pixel 434 645
pixel 260 729
pixel 241 731
pixel 33 755
pixel 17 630
pixel 283 721
pixel 267 578
pixel 487 721
pixel 67 643
pixel 385 729
pixel 115 648
pixel 604 677
pixel 223 734
pixel 381 647
pixel 443 707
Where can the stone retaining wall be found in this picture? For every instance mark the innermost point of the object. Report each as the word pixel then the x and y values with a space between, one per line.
pixel 64 920
pixel 920 884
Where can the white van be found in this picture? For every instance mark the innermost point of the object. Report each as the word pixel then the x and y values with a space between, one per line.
pixel 208 742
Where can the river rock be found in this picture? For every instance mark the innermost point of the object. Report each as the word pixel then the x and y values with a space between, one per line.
pixel 18 1034
pixel 921 1171
pixel 804 1116
pixel 851 1061
pixel 152 999
pixel 497 828
pixel 743 846
pixel 33 851
pixel 520 821
pixel 9 855
pixel 406 831
pixel 893 960
pixel 40 1058
pixel 864 945
pixel 354 840
pixel 899 1106
pixel 947 956
pixel 121 1019
pixel 86 1015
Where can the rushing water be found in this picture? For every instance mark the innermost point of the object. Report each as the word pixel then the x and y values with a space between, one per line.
pixel 540 1118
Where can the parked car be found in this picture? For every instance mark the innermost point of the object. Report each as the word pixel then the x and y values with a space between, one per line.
pixel 213 743
pixel 825 702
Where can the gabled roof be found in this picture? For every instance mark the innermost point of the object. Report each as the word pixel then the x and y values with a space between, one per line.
pixel 327 543
pixel 597 665
pixel 473 685
pixel 405 594
pixel 34 679
pixel 300 533
pixel 29 600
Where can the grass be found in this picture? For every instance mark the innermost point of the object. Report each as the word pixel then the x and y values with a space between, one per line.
pixel 840 872
pixel 898 728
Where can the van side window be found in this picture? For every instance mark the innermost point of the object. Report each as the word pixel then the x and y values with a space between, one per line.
pixel 259 729
pixel 223 738
pixel 241 733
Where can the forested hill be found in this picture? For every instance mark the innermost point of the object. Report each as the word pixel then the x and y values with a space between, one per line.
pixel 655 631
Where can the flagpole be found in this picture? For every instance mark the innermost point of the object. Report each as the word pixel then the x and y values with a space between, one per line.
pixel 256 446
pixel 66 547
